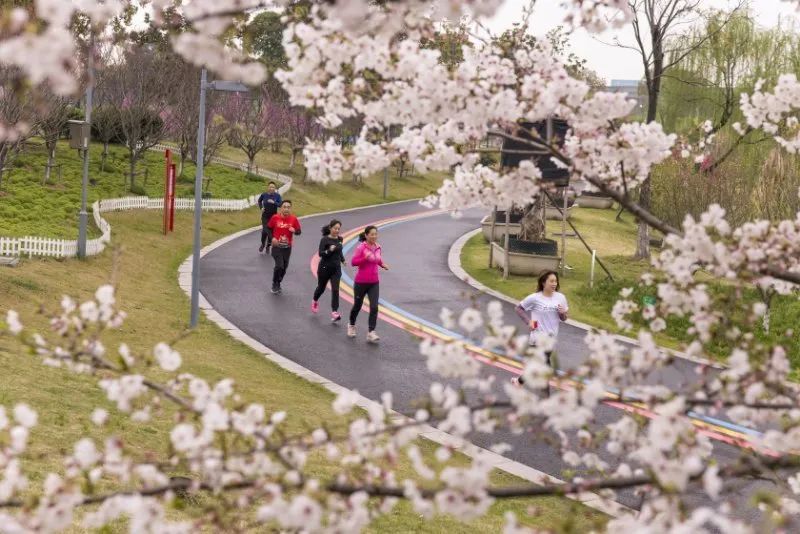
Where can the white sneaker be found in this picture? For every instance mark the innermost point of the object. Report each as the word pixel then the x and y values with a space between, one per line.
pixel 372 337
pixel 351 330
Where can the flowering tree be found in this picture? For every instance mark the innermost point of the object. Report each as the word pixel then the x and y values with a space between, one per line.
pixel 256 123
pixel 141 86
pixel 358 59
pixel 54 112
pixel 181 118
pixel 299 127
pixel 15 120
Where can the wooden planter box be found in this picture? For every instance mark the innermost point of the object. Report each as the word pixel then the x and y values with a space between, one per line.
pixel 596 202
pixel 552 214
pixel 523 264
pixel 499 229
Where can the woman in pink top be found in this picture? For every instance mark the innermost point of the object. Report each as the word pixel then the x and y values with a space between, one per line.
pixel 367 258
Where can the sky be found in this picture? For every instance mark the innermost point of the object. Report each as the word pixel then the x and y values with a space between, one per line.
pixel 609 61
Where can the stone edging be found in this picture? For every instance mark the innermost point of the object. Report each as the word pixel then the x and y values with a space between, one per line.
pixel 454 263
pixel 435 435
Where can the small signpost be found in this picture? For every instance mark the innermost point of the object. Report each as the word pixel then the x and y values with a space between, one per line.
pixel 169 194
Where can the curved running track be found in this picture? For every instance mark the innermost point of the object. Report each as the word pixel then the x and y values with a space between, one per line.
pixel 236 280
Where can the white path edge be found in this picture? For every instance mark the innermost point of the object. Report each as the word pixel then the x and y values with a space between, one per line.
pixel 454 263
pixel 430 433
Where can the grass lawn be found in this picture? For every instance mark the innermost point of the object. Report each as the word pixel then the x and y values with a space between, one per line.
pixel 146 276
pixel 28 208
pixel 615 243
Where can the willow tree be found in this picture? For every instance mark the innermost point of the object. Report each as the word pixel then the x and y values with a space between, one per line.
pixel 709 80
pixel 657 24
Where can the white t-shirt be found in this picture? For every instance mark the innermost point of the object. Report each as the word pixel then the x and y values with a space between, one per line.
pixel 545 311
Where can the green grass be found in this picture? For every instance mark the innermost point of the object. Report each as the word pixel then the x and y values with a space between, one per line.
pixel 145 273
pixel 615 245
pixel 28 208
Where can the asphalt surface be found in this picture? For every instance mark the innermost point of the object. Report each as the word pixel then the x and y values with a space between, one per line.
pixel 236 279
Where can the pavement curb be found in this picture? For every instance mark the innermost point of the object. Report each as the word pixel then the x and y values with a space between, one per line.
pixel 592 500
pixel 454 263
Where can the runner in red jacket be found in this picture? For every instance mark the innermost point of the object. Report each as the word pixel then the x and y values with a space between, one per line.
pixel 284 226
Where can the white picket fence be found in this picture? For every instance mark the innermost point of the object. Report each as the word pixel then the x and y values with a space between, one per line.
pixel 66 248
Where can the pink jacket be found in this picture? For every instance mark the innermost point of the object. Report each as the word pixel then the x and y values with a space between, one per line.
pixel 368 260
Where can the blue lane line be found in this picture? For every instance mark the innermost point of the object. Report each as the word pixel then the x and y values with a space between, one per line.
pixel 347 279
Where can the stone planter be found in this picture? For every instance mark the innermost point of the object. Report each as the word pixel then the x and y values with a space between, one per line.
pixel 552 214
pixel 595 202
pixel 523 264
pixel 499 229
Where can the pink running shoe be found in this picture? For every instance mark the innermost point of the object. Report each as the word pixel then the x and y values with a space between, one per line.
pixel 335 316
pixel 314 306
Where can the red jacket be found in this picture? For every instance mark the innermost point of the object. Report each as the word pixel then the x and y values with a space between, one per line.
pixel 280 228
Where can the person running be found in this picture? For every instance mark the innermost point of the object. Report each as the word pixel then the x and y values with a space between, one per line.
pixel 367 258
pixel 329 269
pixel 543 311
pixel 283 227
pixel 268 202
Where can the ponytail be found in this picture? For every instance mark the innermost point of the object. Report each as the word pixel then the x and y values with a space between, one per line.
pixel 326 230
pixel 363 235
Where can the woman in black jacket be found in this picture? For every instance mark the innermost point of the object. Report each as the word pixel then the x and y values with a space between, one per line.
pixel 330 267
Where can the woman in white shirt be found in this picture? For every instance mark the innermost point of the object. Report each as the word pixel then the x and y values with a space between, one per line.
pixel 543 311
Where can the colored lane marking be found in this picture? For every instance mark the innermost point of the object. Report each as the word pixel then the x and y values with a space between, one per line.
pixel 715 428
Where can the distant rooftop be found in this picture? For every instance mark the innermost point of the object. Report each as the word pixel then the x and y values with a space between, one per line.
pixel 624 83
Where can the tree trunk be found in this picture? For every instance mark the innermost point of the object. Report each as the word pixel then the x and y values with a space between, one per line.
pixel 180 164
pixel 294 157
pixel 532 225
pixel 104 156
pixel 250 163
pixel 133 172
pixel 643 237
pixel 3 154
pixel 51 156
pixel 653 90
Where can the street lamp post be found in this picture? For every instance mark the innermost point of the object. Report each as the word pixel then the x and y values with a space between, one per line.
pixel 83 216
pixel 198 183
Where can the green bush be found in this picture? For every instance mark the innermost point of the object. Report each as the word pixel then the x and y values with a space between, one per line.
pixel 107 120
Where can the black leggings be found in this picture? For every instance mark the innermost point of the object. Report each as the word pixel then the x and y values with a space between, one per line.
pixel 281 257
pixel 266 232
pixel 372 291
pixel 521 380
pixel 327 274
pixel 266 236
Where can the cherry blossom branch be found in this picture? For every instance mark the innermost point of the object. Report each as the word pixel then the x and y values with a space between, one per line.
pixel 754 466
pixel 750 466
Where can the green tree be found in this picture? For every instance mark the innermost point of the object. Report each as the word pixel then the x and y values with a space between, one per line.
pixel 263 37
pixel 449 41
pixel 708 82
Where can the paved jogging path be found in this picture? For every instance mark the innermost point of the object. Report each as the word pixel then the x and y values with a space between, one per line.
pixel 235 279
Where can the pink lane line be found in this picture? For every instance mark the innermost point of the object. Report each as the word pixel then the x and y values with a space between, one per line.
pixel 742 443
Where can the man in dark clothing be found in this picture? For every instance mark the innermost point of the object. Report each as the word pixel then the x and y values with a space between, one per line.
pixel 283 226
pixel 268 202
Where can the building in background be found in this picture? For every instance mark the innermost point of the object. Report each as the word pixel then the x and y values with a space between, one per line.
pixel 635 89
